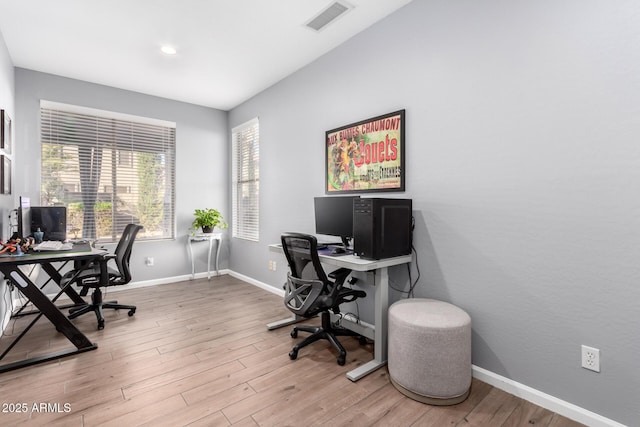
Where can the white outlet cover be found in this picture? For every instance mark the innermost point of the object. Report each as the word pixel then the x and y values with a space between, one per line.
pixel 591 358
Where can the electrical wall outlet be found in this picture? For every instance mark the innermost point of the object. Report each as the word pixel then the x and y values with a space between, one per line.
pixel 272 265
pixel 591 358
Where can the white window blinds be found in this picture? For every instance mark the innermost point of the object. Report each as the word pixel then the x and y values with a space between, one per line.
pixel 109 170
pixel 246 180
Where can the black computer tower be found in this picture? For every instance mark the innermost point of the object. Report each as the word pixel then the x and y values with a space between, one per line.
pixel 382 228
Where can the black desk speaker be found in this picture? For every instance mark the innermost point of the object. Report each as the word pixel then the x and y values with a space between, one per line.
pixel 382 228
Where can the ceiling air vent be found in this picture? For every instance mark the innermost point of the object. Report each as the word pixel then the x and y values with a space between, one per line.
pixel 329 14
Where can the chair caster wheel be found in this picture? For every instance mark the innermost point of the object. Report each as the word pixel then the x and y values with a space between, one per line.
pixel 342 360
pixel 293 354
pixel 101 325
pixel 294 333
pixel 131 312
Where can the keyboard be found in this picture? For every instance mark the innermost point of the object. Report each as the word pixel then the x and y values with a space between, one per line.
pixel 52 245
pixel 325 245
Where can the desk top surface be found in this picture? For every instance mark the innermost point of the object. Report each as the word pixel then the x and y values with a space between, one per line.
pixel 78 252
pixel 354 262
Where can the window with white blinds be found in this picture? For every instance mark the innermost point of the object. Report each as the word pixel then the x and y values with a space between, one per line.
pixel 109 170
pixel 246 180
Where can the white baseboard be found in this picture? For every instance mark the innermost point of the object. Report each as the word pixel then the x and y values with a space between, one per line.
pixel 544 400
pixel 164 281
pixel 254 282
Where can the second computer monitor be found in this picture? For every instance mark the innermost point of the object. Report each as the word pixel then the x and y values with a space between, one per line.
pixel 334 216
pixel 52 220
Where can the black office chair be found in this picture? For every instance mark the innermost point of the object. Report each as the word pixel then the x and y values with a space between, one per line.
pixel 315 294
pixel 91 277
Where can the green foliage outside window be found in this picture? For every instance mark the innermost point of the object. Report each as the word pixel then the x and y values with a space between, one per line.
pixel 150 179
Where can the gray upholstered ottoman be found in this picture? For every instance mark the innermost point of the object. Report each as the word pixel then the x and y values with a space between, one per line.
pixel 429 355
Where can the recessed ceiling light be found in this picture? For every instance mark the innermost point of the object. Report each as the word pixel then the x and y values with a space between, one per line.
pixel 168 50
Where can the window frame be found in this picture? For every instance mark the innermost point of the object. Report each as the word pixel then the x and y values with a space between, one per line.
pixel 245 172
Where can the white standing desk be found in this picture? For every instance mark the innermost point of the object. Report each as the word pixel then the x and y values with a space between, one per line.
pixel 381 269
pixel 204 237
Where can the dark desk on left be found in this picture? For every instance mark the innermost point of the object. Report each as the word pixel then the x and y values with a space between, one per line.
pixel 9 266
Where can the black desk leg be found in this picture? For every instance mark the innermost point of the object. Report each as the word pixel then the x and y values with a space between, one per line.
pixel 55 316
pixel 57 277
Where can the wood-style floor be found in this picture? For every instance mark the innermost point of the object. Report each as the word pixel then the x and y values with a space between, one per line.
pixel 198 353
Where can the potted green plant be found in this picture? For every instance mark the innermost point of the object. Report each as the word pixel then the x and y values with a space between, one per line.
pixel 208 219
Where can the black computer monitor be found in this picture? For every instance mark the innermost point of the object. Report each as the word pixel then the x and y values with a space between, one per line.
pixel 52 220
pixel 334 216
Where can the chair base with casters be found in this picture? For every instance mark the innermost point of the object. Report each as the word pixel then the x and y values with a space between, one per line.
pixel 324 332
pixel 97 304
pixel 99 274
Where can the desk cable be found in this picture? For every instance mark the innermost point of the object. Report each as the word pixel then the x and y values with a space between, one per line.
pixel 7 302
pixel 412 283
pixel 355 315
pixel 23 301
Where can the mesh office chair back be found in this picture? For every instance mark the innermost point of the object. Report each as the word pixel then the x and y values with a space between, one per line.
pixel 306 280
pixel 122 253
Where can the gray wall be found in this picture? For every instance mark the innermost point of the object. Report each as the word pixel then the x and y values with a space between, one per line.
pixel 201 158
pixel 523 165
pixel 6 201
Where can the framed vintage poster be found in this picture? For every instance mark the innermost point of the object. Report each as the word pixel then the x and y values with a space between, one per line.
pixel 5 175
pixel 5 132
pixel 366 156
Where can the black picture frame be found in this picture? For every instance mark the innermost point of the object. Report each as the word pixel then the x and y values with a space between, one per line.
pixel 5 131
pixel 366 156
pixel 5 174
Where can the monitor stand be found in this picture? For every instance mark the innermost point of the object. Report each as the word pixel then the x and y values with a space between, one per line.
pixel 346 241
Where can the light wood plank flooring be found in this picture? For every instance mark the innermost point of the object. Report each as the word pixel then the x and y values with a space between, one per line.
pixel 198 353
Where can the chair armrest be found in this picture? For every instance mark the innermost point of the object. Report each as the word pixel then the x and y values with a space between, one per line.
pixel 340 274
pixel 349 295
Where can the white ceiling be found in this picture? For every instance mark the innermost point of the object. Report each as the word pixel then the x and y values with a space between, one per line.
pixel 228 50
